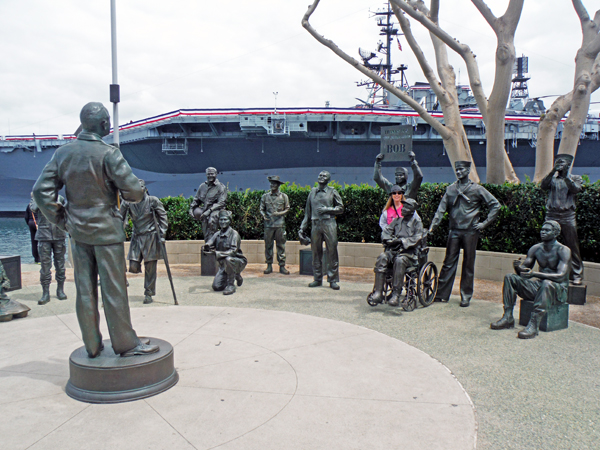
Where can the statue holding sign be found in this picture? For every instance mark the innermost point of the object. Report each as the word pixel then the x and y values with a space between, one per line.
pixel 401 177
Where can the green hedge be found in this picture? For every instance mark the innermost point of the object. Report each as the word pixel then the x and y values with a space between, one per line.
pixel 516 230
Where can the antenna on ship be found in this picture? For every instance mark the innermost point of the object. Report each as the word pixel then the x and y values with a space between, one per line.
pixel 519 82
pixel 387 28
pixel 275 94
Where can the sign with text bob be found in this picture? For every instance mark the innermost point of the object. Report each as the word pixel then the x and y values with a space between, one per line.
pixel 396 142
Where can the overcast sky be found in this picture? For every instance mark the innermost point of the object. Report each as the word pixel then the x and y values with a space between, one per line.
pixel 55 56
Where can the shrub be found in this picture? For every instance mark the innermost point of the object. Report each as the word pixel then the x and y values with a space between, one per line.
pixel 515 231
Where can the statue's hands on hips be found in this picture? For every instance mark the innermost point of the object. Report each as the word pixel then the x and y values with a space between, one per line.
pixel 478 226
pixel 379 157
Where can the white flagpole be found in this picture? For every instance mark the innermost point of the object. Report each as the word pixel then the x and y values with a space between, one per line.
pixel 114 87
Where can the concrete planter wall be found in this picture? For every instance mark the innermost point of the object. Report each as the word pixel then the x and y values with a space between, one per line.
pixel 489 265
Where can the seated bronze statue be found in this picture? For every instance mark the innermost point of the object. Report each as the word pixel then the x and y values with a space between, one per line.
pixel 225 244
pixel 545 288
pixel 400 239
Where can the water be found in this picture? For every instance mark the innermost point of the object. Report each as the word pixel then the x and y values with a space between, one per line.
pixel 15 239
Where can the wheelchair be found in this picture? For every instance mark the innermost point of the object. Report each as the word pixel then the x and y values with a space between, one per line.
pixel 420 281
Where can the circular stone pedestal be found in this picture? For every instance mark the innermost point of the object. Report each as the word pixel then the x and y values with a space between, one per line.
pixel 110 378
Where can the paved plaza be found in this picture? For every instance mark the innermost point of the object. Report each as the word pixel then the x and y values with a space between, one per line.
pixel 279 365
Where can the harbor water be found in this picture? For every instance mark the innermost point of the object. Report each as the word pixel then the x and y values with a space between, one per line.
pixel 15 239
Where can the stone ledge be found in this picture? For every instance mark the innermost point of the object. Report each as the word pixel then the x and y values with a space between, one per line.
pixel 488 265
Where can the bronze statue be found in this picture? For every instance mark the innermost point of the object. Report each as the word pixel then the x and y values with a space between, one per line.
pixel 545 288
pixel 401 176
pixel 560 207
pixel 51 242
pixel 9 309
pixel 225 244
pixel 210 198
pixel 274 206
pixel 400 239
pixel 31 222
pixel 146 239
pixel 462 200
pixel 322 205
pixel 93 174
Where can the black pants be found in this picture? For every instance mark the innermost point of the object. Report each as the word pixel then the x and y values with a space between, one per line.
pixel 325 230
pixel 34 243
pixel 48 249
pixel 568 233
pixel 543 293
pixel 276 234
pixel 108 262
pixel 149 274
pixel 457 239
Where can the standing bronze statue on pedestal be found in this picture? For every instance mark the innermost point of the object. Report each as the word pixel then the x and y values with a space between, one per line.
pixel 401 176
pixel 462 201
pixel 545 288
pixel 225 244
pixel 146 240
pixel 274 206
pixel 93 174
pixel 210 198
pixel 562 187
pixel 322 205
pixel 51 242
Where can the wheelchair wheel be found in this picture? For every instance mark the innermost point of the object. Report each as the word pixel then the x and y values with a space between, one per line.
pixel 427 284
pixel 410 302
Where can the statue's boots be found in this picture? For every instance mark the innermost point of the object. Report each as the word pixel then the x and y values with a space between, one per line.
pixel 283 270
pixel 377 295
pixel 230 288
pixel 395 297
pixel 45 295
pixel 531 330
pixel 269 269
pixel 506 321
pixel 239 279
pixel 148 299
pixel 60 291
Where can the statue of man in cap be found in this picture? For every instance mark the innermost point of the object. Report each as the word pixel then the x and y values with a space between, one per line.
pixel 545 288
pixel 145 245
pixel 560 207
pixel 51 243
pixel 226 243
pixel 401 177
pixel 322 205
pixel 400 239
pixel 462 201
pixel 93 174
pixel 274 206
pixel 210 198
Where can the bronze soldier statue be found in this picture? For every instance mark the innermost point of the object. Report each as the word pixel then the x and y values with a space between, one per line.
pixel 322 205
pixel 210 198
pixel 400 239
pixel 274 206
pixel 462 201
pixel 401 177
pixel 545 288
pixel 145 240
pixel 562 188
pixel 51 242
pixel 226 243
pixel 93 174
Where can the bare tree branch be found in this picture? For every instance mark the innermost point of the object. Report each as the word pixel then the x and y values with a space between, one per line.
pixel 581 11
pixel 487 13
pixel 379 80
